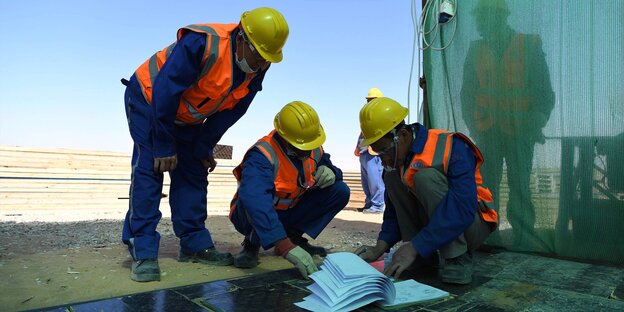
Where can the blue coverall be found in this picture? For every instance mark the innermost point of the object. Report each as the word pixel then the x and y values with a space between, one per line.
pixel 371 176
pixel 255 217
pixel 457 210
pixel 155 135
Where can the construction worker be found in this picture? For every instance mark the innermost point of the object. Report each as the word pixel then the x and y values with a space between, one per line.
pixel 371 171
pixel 287 186
pixel 179 103
pixel 507 99
pixel 435 200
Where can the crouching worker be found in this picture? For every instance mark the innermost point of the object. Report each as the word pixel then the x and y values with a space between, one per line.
pixel 287 187
pixel 434 194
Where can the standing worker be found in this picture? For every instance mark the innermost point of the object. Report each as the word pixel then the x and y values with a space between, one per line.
pixel 179 103
pixel 436 201
pixel 287 186
pixel 371 171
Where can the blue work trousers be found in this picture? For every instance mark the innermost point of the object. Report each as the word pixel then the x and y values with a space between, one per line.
pixel 311 214
pixel 371 171
pixel 187 193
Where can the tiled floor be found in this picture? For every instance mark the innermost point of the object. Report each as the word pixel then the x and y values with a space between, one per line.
pixel 503 282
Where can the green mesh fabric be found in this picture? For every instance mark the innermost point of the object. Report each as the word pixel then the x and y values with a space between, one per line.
pixel 539 87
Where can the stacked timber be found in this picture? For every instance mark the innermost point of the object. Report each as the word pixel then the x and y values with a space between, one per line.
pixel 49 180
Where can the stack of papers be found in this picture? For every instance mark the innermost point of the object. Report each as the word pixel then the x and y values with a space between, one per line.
pixel 346 282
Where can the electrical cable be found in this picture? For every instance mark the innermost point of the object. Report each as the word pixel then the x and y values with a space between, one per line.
pixel 420 36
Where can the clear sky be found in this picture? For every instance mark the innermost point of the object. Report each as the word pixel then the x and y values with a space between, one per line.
pixel 61 63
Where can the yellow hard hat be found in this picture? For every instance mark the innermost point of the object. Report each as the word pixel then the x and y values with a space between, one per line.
pixel 379 117
pixel 299 125
pixel 267 30
pixel 374 93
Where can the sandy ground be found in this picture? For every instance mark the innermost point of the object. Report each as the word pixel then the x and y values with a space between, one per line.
pixel 51 263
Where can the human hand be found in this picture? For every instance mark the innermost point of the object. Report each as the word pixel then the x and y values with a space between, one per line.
pixel 302 261
pixel 401 260
pixel 372 253
pixel 209 163
pixel 324 177
pixel 162 164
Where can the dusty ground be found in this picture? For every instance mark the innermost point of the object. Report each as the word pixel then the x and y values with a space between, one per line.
pixel 45 264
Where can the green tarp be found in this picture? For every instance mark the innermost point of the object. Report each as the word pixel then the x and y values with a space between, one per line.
pixel 539 87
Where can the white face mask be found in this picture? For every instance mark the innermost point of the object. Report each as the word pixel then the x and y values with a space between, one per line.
pixel 242 64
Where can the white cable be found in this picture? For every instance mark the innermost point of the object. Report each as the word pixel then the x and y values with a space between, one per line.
pixel 420 37
pixel 436 28
pixel 414 40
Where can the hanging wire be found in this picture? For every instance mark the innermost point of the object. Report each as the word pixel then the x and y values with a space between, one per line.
pixel 420 37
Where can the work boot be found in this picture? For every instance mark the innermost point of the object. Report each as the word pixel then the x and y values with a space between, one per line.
pixel 207 256
pixel 373 211
pixel 146 270
pixel 363 208
pixel 457 270
pixel 248 257
pixel 296 237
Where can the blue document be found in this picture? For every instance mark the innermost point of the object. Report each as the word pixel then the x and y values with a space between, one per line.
pixel 346 282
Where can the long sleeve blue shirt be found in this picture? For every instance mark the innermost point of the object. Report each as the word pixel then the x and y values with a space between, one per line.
pixel 178 73
pixel 255 193
pixel 457 209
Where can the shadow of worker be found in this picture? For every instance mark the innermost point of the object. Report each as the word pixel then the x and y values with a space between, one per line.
pixel 507 99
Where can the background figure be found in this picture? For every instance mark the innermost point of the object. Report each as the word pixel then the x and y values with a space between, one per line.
pixel 507 99
pixel 371 171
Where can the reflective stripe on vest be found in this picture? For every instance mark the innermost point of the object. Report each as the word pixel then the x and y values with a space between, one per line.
pixel 212 91
pixel 288 189
pixel 436 154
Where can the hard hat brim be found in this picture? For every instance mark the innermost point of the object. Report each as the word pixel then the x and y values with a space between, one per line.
pixel 368 142
pixel 308 146
pixel 273 58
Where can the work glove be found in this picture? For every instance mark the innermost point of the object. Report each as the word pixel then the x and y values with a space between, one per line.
pixel 162 164
pixel 209 163
pixel 324 177
pixel 302 261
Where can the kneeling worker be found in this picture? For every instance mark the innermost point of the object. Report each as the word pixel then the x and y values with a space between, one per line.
pixel 434 197
pixel 287 186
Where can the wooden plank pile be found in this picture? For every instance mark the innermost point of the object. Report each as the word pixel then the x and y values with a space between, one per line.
pixel 44 180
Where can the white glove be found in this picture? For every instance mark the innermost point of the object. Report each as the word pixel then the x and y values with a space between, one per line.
pixel 324 177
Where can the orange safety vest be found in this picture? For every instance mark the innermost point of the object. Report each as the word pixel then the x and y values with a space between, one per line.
pixel 356 152
pixel 436 154
pixel 502 97
pixel 288 189
pixel 211 92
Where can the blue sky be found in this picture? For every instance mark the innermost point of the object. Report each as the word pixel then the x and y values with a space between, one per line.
pixel 61 62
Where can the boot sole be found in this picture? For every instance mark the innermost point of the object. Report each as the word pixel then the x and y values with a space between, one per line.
pixel 245 265
pixel 217 263
pixel 145 277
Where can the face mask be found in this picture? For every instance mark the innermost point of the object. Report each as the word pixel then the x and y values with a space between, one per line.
pixel 243 65
pixel 292 153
